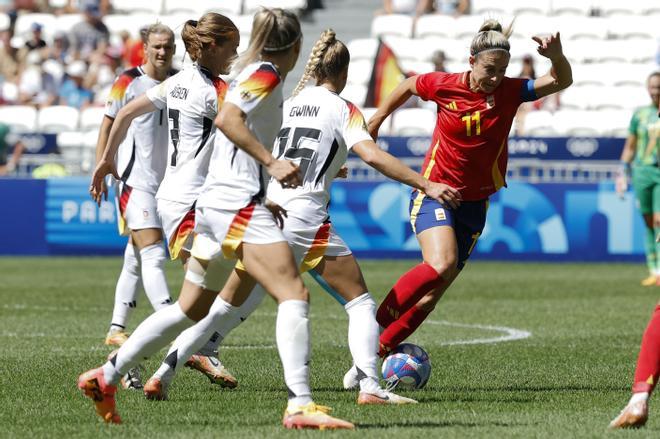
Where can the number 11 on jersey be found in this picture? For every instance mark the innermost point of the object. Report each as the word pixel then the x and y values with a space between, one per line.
pixel 468 119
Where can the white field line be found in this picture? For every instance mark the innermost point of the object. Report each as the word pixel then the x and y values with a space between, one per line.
pixel 507 334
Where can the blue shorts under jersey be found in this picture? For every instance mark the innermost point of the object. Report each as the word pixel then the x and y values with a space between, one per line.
pixel 468 221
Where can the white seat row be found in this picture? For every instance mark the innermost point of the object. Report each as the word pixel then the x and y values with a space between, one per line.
pixel 576 123
pixel 565 7
pixel 54 119
pixel 571 27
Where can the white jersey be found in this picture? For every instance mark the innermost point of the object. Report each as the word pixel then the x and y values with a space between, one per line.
pixel 192 98
pixel 235 178
pixel 318 130
pixel 142 154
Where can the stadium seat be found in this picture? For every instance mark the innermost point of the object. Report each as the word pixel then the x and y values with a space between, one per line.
pixel 618 98
pixel 635 50
pixel 132 23
pixel 578 123
pixel 525 28
pixel 175 22
pixel 137 6
pixel 538 123
pixel 70 145
pixel 58 118
pixel 359 71
pixel 455 50
pixel 362 48
pixel 197 8
pixel 392 24
pixel 21 118
pixel 244 24
pixel 633 26
pixel 519 7
pixel 9 92
pixel 65 22
pixel 435 25
pixel 409 48
pixel 355 93
pixel 571 7
pixel 579 97
pixel 466 26
pixel 54 69
pixel 5 21
pixel 416 67
pixel 614 123
pixel 24 22
pixel 487 8
pixel 91 118
pixel 413 122
pixel 581 27
pixel 610 8
pixel 252 6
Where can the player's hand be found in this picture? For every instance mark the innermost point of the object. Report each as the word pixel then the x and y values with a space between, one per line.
pixel 279 213
pixel 285 172
pixel 98 188
pixel 444 194
pixel 621 185
pixel 343 172
pixel 550 47
pixel 373 126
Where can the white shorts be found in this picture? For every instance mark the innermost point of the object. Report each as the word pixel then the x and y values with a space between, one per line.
pixel 311 244
pixel 178 221
pixel 136 209
pixel 221 232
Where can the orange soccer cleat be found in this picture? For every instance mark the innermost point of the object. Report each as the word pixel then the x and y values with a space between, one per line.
pixel 213 369
pixel 313 416
pixel 93 385
pixel 155 389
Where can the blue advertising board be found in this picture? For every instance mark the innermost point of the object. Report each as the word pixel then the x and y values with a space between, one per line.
pixel 545 148
pixel 562 222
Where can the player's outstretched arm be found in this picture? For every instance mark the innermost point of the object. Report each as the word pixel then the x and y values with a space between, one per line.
pixel 106 164
pixel 560 75
pixel 231 121
pixel 398 96
pixel 392 167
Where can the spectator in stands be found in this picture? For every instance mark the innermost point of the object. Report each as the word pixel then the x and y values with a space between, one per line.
pixel 35 41
pixel 438 60
pixel 7 166
pixel 8 58
pixel 72 92
pixel 527 70
pixel 36 87
pixel 454 8
pixel 59 50
pixel 90 37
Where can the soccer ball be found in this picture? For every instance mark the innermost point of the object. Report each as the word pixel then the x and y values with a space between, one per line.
pixel 407 366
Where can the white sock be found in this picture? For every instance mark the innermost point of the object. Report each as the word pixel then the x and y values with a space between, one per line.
pixel 127 288
pixel 363 336
pixel 151 335
pixel 194 337
pixel 637 397
pixel 292 333
pixel 153 275
pixel 230 321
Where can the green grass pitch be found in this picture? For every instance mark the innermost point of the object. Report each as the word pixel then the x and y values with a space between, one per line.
pixel 567 379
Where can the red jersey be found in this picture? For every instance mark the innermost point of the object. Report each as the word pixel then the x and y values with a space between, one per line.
pixel 469 149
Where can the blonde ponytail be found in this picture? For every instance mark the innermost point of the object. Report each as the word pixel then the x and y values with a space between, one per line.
pixel 315 57
pixel 491 36
pixel 273 30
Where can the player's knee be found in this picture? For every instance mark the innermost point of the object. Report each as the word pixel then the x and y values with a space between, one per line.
pixel 444 266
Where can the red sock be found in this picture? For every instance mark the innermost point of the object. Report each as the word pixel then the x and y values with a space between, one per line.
pixel 648 361
pixel 401 329
pixel 406 292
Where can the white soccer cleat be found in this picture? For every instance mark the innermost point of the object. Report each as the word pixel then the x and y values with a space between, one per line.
pixel 383 397
pixel 633 415
pixel 314 417
pixel 351 379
